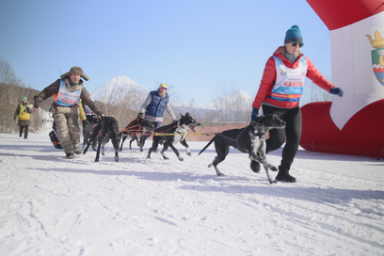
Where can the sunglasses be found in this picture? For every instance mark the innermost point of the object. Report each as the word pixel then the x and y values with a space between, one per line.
pixel 294 44
pixel 164 88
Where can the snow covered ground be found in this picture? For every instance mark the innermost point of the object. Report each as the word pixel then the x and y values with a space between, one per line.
pixel 50 205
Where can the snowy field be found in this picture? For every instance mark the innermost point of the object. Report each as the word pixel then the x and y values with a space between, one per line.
pixel 50 205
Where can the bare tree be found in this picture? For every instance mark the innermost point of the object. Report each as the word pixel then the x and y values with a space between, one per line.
pixel 11 92
pixel 124 105
pixel 231 106
pixel 10 96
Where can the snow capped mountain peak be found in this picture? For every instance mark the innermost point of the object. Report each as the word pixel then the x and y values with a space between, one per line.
pixel 122 80
pixel 118 88
pixel 244 95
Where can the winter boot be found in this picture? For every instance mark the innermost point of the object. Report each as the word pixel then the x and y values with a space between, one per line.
pixel 284 176
pixel 70 155
pixel 255 166
pixel 77 151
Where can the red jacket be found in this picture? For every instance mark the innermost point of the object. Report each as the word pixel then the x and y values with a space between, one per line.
pixel 269 78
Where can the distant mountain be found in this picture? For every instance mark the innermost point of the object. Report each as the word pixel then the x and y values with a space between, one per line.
pixel 121 89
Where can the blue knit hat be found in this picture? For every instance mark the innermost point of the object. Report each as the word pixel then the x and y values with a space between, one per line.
pixel 293 35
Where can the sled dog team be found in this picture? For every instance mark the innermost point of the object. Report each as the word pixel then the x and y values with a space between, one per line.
pixel 278 95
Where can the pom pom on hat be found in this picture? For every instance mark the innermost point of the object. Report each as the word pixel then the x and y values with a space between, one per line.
pixel 293 35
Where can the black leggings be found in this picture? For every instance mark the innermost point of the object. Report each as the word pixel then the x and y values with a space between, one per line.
pixel 291 134
pixel 25 128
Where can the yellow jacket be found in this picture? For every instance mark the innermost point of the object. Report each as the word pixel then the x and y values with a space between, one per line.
pixel 23 112
pixel 82 112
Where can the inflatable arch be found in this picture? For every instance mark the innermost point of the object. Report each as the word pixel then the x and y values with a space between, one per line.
pixel 352 124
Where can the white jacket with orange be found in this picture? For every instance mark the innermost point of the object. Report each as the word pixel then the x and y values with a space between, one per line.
pixel 269 79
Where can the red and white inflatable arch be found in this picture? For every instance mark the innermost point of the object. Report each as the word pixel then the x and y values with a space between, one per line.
pixel 352 124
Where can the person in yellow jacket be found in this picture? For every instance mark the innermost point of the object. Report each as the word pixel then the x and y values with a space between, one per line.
pixel 82 115
pixel 23 111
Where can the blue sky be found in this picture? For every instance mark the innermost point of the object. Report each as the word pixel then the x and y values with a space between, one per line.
pixel 195 47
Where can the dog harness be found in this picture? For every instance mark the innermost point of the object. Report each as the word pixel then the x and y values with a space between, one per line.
pixel 259 131
pixel 238 144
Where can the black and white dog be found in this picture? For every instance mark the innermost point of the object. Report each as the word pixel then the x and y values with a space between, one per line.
pixel 172 134
pixel 135 130
pixel 249 139
pixel 107 129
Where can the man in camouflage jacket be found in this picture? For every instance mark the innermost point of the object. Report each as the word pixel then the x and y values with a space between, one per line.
pixel 67 93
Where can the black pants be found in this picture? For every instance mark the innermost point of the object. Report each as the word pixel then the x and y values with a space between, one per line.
pixel 291 135
pixel 25 128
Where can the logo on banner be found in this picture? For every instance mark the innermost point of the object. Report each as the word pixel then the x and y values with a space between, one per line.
pixel 378 56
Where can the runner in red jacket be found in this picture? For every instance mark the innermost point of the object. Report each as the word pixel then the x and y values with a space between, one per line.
pixel 280 92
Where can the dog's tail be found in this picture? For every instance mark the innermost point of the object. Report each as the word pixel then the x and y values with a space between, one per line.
pixel 207 145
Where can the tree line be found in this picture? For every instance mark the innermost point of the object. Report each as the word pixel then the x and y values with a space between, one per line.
pixel 124 106
pixel 12 90
pixel 229 107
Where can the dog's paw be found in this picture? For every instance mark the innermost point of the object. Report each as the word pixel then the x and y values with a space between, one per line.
pixel 220 174
pixel 255 166
pixel 180 158
pixel 189 154
pixel 272 181
pixel 209 166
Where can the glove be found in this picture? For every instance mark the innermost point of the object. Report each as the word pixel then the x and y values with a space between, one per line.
pixel 140 115
pixel 255 113
pixel 337 91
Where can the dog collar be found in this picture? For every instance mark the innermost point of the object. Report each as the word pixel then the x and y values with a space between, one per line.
pixel 258 131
